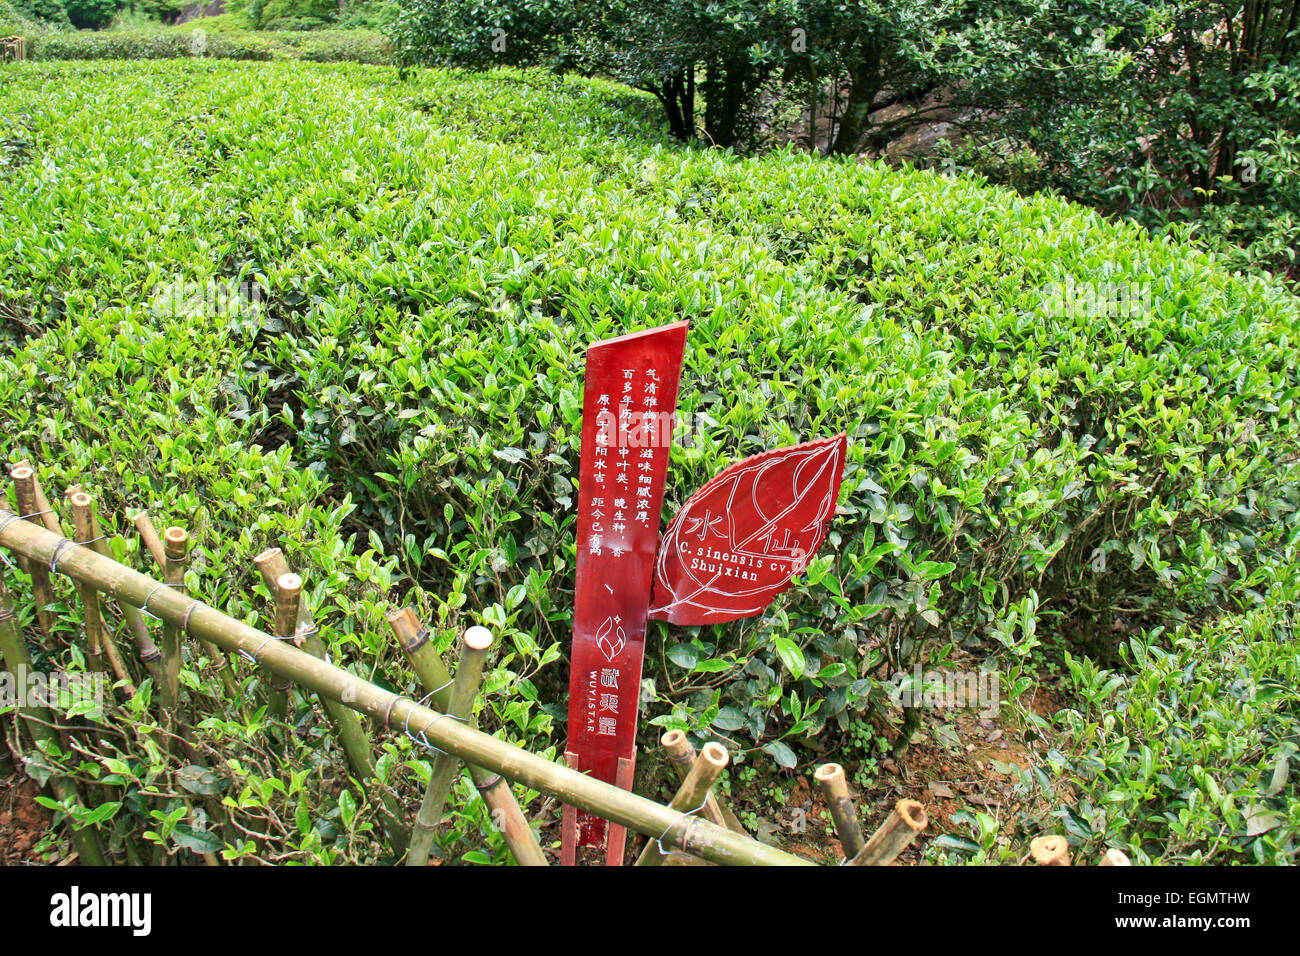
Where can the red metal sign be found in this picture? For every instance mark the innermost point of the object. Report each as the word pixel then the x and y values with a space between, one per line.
pixel 629 410
pixel 741 538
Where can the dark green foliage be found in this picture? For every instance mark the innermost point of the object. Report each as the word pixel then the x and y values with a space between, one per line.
pixel 91 14
pixel 1195 121
pixel 41 11
pixel 432 257
pixel 482 35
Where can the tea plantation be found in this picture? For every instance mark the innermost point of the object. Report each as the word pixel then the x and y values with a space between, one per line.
pixel 1096 502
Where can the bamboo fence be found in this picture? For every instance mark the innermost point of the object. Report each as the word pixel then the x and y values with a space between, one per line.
pixel 13 48
pixel 695 823
pixel 42 547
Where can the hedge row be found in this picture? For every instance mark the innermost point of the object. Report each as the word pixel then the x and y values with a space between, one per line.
pixel 434 255
pixel 325 46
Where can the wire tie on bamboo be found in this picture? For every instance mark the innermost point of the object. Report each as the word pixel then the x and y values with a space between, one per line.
pixel 253 656
pixel 685 813
pixel 144 608
pixel 421 738
pixel 431 723
pixel 9 519
pixel 185 618
pixel 68 543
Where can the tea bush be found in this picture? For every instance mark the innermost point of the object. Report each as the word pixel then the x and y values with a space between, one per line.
pixel 1183 753
pixel 359 46
pixel 401 411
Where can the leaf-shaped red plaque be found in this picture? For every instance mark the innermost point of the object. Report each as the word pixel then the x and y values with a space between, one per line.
pixel 741 538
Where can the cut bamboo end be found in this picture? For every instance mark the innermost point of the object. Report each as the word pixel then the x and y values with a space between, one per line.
pixel 25 486
pixel 675 742
pixel 829 774
pixel 272 565
pixel 478 638
pixel 407 628
pixel 1050 851
pixel 1114 857
pixel 175 543
pixel 894 836
pixel 835 788
pixel 716 755
pixel 40 508
pixel 80 500
pixel 912 814
pixel 288 590
pixel 681 755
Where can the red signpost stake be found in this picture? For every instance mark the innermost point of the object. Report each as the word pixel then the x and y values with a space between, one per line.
pixel 629 410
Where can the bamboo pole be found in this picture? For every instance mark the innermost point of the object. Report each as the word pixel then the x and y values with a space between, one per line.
pixel 690 835
pixel 681 755
pixel 28 495
pixel 174 551
pixel 147 651
pixel 496 791
pixel 1050 851
pixel 286 594
pixel 347 726
pixel 836 789
pixel 149 535
pixel 689 798
pixel 894 836
pixel 45 512
pixel 464 691
pixel 39 725
pixel 98 636
pixel 161 554
pixel 1114 857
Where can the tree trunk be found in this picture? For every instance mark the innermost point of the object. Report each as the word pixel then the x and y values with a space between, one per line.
pixel 864 84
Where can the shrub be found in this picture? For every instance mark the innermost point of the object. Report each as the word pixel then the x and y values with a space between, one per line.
pixel 150 45
pixel 433 273
pixel 189 41
pixel 26 15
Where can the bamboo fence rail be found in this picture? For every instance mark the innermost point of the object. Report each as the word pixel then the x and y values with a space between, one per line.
pixel 182 615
